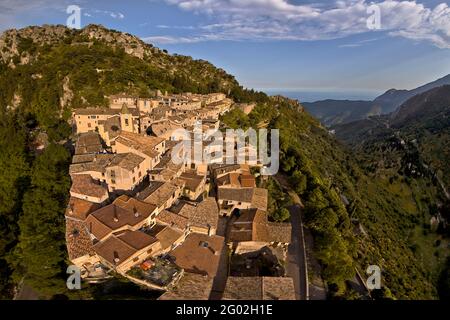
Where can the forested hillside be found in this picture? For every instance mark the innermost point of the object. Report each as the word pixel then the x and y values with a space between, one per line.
pixel 343 196
pixel 48 71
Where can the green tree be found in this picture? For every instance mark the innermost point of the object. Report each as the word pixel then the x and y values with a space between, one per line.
pixel 281 215
pixel 13 181
pixel 40 254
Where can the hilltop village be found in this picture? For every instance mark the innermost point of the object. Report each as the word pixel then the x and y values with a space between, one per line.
pixel 191 230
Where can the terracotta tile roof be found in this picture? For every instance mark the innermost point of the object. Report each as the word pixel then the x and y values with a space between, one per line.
pixel 243 288
pixel 84 184
pixel 83 158
pixel 272 232
pixel 219 169
pixel 192 180
pixel 164 127
pixel 127 161
pixel 159 196
pixel 78 240
pixel 199 253
pixel 112 126
pixel 97 111
pixel 136 239
pixel 111 218
pixel 278 288
pixel 173 220
pixel 237 180
pixel 190 287
pixel 257 197
pixel 166 235
pixel 133 204
pixel 151 188
pixel 235 194
pixel 259 288
pixel 167 169
pixel 253 225
pixel 101 162
pixel 80 209
pixel 141 143
pixel 116 249
pixel 247 181
pixel 88 142
pixel 204 214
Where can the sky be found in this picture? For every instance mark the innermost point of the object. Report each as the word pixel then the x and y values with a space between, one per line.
pixel 333 49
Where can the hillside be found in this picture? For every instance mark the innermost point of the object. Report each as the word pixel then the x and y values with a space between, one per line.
pixel 411 143
pixel 392 99
pixel 47 71
pixel 423 118
pixel 77 68
pixel 335 112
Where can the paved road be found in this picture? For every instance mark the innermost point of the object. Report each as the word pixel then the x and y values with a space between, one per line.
pixel 296 256
pixel 297 267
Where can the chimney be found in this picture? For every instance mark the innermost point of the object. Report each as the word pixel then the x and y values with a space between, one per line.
pixel 214 252
pixel 116 257
pixel 116 216
pixel 70 209
pixel 135 211
pixel 209 230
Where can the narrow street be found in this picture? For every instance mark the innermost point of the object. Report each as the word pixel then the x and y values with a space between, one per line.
pixel 220 280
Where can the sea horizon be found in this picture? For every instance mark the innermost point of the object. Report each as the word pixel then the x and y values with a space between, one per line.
pixel 313 96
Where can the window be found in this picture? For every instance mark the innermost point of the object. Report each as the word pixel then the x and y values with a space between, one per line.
pixel 89 125
pixel 136 259
pixel 149 251
pixel 134 179
pixel 113 181
pixel 126 122
pixel 113 174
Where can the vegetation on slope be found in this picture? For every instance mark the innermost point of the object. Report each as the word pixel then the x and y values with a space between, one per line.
pixel 339 194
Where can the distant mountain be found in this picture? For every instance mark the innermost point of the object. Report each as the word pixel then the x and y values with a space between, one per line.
pixel 424 119
pixel 393 98
pixel 423 107
pixel 334 112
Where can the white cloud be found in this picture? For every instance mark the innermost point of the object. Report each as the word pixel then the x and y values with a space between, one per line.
pixel 282 20
pixel 10 8
pixel 114 15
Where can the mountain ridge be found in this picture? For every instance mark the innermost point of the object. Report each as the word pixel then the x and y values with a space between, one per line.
pixel 336 112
